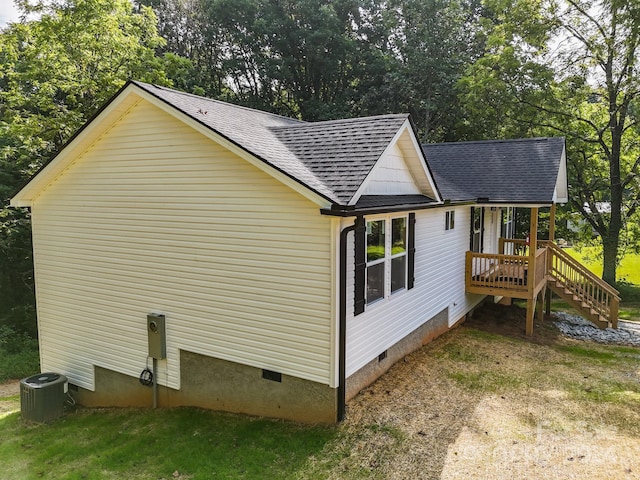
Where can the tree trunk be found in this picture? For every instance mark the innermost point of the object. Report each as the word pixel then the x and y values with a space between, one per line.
pixel 610 256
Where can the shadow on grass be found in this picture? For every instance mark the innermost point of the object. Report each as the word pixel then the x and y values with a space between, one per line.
pixel 171 443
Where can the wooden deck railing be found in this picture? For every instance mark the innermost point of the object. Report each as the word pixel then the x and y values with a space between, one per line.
pixel 541 270
pixel 513 246
pixel 591 290
pixel 497 272
pixel 513 273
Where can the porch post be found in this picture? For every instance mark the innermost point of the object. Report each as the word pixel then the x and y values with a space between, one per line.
pixel 552 232
pixel 552 222
pixel 531 270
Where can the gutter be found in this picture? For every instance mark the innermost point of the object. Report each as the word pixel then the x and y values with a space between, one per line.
pixel 342 327
pixel 349 210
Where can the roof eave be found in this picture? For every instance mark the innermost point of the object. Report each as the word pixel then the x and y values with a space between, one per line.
pixel 25 195
pixel 353 211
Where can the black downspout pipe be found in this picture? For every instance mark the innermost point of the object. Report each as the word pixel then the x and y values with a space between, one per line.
pixel 342 345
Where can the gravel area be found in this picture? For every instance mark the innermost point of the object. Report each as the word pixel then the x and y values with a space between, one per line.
pixel 574 326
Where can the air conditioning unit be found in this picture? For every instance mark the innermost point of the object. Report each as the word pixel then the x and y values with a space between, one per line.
pixel 42 397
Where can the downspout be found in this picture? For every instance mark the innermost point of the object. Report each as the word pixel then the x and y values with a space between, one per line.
pixel 342 343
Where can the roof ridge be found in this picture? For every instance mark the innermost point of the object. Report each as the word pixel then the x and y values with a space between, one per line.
pixel 500 140
pixel 214 100
pixel 356 119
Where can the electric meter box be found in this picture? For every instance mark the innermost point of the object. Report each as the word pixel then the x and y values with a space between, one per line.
pixel 157 338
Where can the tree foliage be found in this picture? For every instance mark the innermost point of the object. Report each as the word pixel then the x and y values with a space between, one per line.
pixel 55 72
pixel 322 59
pixel 569 67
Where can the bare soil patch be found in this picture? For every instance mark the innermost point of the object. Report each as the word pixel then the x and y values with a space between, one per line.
pixel 8 401
pixel 10 388
pixel 486 402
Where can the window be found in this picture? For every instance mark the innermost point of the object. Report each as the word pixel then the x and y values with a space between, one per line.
pixel 398 254
pixel 375 260
pixel 449 219
pixel 506 227
pixel 477 228
pixel 386 257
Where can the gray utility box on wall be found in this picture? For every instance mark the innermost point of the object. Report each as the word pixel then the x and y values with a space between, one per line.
pixel 42 397
pixel 156 333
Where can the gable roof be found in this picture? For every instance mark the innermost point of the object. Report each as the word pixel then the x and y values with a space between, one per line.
pixel 500 171
pixel 330 159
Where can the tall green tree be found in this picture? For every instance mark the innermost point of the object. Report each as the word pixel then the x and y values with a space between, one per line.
pixel 569 67
pixel 432 42
pixel 55 72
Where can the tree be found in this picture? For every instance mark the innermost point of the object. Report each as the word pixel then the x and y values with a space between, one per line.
pixel 570 67
pixel 55 72
pixel 432 43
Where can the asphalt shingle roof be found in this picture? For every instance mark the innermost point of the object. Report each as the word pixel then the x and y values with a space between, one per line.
pixel 509 171
pixel 341 153
pixel 331 158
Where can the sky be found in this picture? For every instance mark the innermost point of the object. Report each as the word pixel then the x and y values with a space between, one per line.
pixel 8 12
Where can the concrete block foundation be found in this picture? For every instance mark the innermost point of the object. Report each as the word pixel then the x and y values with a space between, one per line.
pixel 217 384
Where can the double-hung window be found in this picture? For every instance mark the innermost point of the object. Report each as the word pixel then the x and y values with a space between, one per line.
pixel 449 219
pixel 386 257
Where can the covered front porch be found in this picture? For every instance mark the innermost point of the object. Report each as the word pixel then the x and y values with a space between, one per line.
pixel 531 269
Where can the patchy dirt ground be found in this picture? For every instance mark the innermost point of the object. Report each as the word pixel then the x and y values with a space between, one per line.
pixel 10 388
pixel 486 402
pixel 8 401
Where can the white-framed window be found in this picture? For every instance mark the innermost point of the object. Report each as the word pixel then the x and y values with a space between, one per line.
pixel 386 251
pixel 449 219
pixel 506 227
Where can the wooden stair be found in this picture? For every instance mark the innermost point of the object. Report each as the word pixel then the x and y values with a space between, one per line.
pixel 577 302
pixel 573 282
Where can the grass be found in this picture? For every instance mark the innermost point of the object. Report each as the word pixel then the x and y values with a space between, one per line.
pixel 470 404
pixel 147 444
pixel 628 271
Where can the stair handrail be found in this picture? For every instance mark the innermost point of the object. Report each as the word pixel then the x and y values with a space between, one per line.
pixel 607 308
pixel 584 271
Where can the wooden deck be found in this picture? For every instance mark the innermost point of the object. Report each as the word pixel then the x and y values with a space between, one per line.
pixel 519 274
pixel 505 275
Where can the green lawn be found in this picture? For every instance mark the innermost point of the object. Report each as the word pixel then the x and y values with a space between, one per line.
pixel 181 443
pixel 492 397
pixel 628 270
pixel 628 274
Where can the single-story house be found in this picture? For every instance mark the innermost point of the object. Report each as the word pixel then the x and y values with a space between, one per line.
pixel 263 264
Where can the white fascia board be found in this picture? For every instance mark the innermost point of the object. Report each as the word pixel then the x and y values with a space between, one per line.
pixel 405 128
pixel 89 134
pixel 232 147
pixel 423 161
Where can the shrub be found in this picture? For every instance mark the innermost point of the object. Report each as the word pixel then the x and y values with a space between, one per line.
pixel 18 354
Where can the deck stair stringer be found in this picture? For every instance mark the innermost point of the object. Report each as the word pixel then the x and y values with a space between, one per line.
pixel 577 285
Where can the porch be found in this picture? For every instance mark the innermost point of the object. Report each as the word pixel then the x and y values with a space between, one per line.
pixel 531 270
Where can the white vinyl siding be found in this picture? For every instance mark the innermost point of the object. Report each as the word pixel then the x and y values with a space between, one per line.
pixel 155 217
pixel 391 176
pixel 439 283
